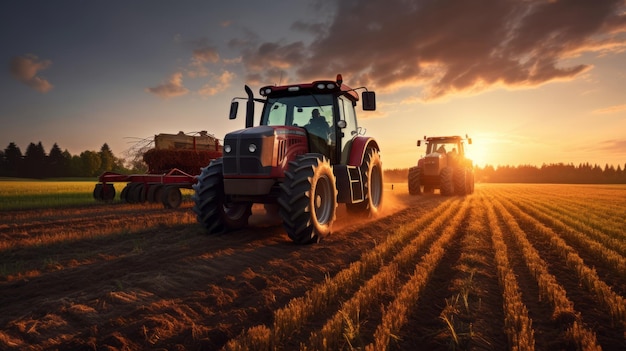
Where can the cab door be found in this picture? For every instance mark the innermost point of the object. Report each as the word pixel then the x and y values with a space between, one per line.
pixel 347 134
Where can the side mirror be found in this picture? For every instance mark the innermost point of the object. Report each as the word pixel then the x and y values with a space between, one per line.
pixel 234 106
pixel 342 124
pixel 469 141
pixel 419 143
pixel 369 100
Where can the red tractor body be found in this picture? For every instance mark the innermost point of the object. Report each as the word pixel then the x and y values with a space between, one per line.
pixel 306 156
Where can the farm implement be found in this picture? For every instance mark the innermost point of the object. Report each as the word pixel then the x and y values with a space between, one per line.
pixel 173 164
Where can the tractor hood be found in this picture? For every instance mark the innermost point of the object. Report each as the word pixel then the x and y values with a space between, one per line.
pixel 262 151
pixel 435 155
pixel 433 163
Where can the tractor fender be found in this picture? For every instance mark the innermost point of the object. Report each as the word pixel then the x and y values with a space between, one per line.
pixel 359 145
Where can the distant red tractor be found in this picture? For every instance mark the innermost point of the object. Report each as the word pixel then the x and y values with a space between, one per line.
pixel 444 167
pixel 307 155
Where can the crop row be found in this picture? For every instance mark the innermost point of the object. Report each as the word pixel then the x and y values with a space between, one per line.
pixel 613 302
pixel 517 324
pixel 549 288
pixel 606 248
pixel 592 217
pixel 377 273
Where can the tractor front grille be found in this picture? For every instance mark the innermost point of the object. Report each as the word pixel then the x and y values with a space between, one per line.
pixel 249 152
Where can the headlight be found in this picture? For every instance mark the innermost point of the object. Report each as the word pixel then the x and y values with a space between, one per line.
pixel 227 148
pixel 252 148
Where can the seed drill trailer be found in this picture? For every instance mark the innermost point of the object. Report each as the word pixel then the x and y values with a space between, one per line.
pixel 174 164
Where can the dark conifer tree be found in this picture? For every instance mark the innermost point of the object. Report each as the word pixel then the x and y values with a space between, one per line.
pixel 13 161
pixel 35 161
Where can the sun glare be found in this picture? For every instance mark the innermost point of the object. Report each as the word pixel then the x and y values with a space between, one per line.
pixel 478 154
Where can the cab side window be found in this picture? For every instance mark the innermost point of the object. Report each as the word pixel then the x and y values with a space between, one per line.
pixel 347 114
pixel 277 115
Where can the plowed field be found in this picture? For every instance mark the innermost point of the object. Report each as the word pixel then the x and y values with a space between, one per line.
pixel 509 267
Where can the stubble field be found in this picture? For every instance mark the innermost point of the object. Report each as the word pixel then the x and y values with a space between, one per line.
pixel 510 267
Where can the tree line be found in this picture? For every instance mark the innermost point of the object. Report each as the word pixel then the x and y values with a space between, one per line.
pixel 584 173
pixel 36 163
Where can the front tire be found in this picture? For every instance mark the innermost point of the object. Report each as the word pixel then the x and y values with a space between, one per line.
pixel 213 211
pixel 308 199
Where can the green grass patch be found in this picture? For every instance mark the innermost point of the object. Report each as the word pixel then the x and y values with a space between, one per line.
pixel 22 194
pixel 31 194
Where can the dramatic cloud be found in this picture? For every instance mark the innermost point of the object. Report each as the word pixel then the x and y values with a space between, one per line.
pixel 446 47
pixel 201 57
pixel 25 69
pixel 217 84
pixel 172 88
pixel 270 62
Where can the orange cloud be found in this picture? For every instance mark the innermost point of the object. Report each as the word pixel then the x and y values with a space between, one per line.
pixel 611 109
pixel 218 84
pixel 201 57
pixel 614 146
pixel 206 54
pixel 172 88
pixel 25 69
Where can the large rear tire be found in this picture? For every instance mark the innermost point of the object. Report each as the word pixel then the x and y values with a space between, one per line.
pixel 415 187
pixel 212 209
pixel 308 199
pixel 447 184
pixel 460 181
pixel 470 181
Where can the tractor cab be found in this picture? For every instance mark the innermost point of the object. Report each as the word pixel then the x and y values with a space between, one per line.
pixel 324 110
pixel 450 148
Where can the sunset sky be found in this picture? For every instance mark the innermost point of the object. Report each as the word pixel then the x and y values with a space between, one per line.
pixel 530 81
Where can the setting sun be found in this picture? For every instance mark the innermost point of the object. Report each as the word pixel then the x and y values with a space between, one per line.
pixel 477 152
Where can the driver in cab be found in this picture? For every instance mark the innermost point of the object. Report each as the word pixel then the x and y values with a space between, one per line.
pixel 320 129
pixel 318 125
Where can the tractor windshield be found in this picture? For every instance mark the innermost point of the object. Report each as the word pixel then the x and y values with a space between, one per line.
pixel 297 110
pixel 444 147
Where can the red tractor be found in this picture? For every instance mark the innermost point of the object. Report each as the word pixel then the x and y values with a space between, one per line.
pixel 444 167
pixel 307 155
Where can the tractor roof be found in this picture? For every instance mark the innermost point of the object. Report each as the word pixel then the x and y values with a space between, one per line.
pixel 316 87
pixel 454 138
